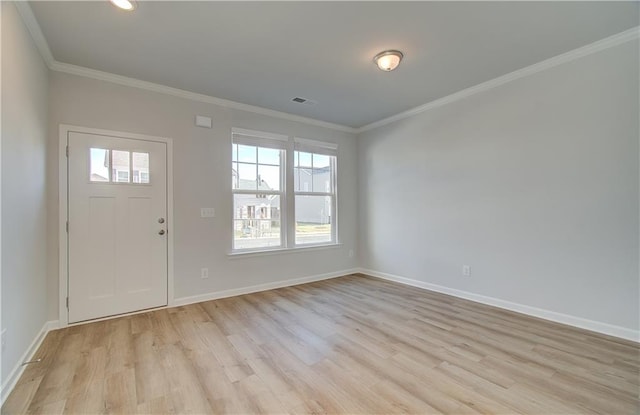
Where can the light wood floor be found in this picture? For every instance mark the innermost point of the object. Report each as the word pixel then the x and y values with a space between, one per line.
pixel 348 345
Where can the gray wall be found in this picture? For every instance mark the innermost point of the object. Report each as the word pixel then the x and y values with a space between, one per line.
pixel 24 146
pixel 533 184
pixel 202 178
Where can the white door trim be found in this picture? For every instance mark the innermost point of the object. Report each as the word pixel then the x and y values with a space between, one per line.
pixel 63 183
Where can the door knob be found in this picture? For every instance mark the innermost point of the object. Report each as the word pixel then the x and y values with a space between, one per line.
pixel 161 220
pixel 161 232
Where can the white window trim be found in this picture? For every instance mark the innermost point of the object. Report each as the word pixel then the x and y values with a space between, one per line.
pixel 328 149
pixel 287 195
pixel 276 251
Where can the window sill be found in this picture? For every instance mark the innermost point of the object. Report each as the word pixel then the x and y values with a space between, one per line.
pixel 306 248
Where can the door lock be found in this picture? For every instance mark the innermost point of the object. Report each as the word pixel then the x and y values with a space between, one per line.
pixel 161 220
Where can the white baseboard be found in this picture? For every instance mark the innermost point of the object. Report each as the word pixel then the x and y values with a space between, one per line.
pixel 17 371
pixel 260 287
pixel 596 326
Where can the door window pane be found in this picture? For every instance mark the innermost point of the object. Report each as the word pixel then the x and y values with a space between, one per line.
pixel 256 221
pixel 99 165
pixel 140 167
pixel 313 219
pixel 120 166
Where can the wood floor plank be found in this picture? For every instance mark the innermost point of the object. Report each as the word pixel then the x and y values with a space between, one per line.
pixel 355 344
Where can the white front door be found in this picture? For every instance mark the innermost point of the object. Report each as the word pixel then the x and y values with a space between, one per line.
pixel 117 225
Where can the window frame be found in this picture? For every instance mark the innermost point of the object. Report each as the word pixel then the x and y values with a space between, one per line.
pixel 316 148
pixel 288 146
pixel 260 140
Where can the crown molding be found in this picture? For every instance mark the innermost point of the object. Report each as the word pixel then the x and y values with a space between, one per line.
pixel 193 96
pixel 580 52
pixel 41 43
pixel 34 28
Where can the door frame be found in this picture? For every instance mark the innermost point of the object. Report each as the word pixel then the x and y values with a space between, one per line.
pixel 63 214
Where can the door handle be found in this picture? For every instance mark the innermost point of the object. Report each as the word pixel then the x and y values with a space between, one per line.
pixel 161 232
pixel 161 220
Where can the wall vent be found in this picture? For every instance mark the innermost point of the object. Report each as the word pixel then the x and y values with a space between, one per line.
pixel 305 101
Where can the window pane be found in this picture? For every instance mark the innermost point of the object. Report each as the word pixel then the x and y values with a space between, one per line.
pixel 247 176
pixel 269 177
pixel 302 179
pixel 303 159
pixel 322 173
pixel 321 161
pixel 234 175
pixel 316 178
pixel 120 166
pixel 99 165
pixel 234 152
pixel 313 219
pixel 268 156
pixel 256 221
pixel 140 167
pixel 247 154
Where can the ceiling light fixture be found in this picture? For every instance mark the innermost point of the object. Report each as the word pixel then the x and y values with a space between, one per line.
pixel 127 5
pixel 388 60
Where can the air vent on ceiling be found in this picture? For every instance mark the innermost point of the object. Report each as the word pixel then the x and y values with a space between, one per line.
pixel 305 101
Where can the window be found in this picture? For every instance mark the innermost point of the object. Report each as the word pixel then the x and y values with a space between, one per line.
pixel 116 166
pixel 100 163
pixel 120 162
pixel 121 176
pixel 257 183
pixel 284 192
pixel 140 162
pixel 314 178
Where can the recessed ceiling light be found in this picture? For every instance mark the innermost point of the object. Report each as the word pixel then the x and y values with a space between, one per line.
pixel 124 4
pixel 388 60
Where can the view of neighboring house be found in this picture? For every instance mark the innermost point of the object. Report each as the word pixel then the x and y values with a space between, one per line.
pixel 126 167
pixel 311 209
pixel 259 215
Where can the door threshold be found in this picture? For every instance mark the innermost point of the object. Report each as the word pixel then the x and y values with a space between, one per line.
pixel 114 316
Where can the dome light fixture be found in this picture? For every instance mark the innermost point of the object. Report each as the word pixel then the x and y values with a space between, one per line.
pixel 127 5
pixel 388 60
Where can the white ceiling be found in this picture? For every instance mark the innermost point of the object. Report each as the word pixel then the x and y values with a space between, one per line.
pixel 266 53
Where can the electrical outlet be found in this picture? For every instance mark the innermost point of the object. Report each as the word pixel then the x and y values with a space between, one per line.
pixel 350 253
pixel 204 273
pixel 207 212
pixel 466 270
pixel 3 337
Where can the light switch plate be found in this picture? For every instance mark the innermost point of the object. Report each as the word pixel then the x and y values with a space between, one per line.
pixel 207 212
